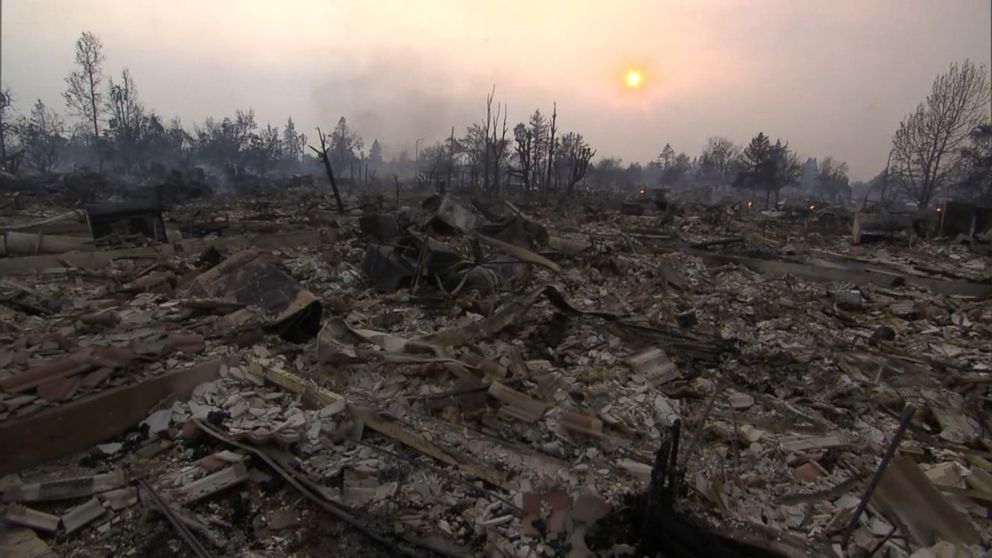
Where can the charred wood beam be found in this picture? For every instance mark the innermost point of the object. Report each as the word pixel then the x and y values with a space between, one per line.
pixel 322 154
pixel 337 510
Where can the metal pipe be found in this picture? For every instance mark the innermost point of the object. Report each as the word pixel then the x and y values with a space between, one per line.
pixel 191 541
pixel 904 420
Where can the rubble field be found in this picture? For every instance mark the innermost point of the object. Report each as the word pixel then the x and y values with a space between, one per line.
pixel 443 375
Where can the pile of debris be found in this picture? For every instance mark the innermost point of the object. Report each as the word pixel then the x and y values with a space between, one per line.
pixel 486 379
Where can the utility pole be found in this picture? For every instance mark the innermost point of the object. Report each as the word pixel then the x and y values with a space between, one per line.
pixel 416 151
pixel 885 179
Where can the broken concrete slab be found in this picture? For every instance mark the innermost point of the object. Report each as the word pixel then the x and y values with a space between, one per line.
pixel 28 517
pixel 29 244
pixel 740 401
pixel 806 443
pixel 90 261
pixel 121 498
pixel 158 422
pixel 81 515
pixel 65 489
pixel 214 483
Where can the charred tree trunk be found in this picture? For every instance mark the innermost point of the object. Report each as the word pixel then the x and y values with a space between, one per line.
pixel 322 153
pixel 451 157
pixel 551 146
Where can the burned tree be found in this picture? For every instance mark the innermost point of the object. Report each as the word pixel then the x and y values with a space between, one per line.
pixel 127 116
pixel 766 166
pixel 433 160
pixel 976 180
pixel 673 166
pixel 6 99
pixel 345 146
pixel 178 141
pixel 375 154
pixel 452 145
pixel 575 156
pixel 473 146
pixel 523 150
pixel 717 161
pixel 831 180
pixel 322 154
pixel 534 150
pixel 266 149
pixel 83 95
pixel 926 155
pixel 539 130
pixel 494 145
pixel 292 142
pixel 551 144
pixel 41 136
pixel 225 143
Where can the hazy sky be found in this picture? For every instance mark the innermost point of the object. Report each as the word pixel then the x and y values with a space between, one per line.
pixel 833 77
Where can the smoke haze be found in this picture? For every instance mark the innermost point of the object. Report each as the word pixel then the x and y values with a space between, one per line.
pixel 832 78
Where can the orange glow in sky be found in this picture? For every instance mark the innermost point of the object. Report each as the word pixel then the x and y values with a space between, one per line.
pixel 633 78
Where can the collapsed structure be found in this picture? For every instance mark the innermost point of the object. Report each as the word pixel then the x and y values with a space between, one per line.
pixel 469 378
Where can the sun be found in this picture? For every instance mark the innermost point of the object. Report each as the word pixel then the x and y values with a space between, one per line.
pixel 633 79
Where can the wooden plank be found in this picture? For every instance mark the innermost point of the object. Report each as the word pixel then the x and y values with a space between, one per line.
pixel 322 398
pixel 76 426
pixel 407 437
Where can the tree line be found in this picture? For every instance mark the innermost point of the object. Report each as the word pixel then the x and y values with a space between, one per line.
pixel 944 147
pixel 110 125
